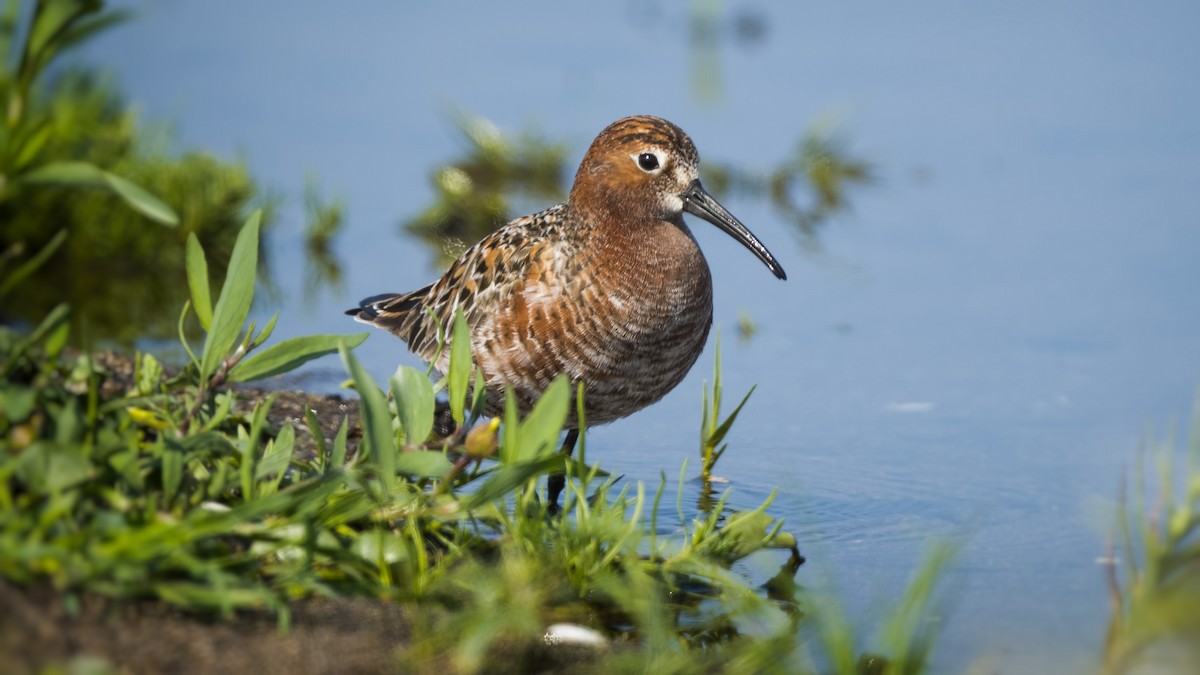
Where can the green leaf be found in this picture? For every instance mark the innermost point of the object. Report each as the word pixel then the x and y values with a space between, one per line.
pixel 17 403
pixel 460 366
pixel 84 28
pixel 142 201
pixel 49 467
pixel 478 395
pixel 224 406
pixel 289 355
pixel 209 442
pixel 510 445
pixel 381 546
pixel 719 434
pixel 413 394
pixel 540 429
pixel 249 444
pixel 233 306
pixel 275 460
pixel 187 306
pixel 197 278
pixel 49 325
pixel 510 477
pixel 30 266
pixel 266 332
pixel 72 174
pixel 337 454
pixel 172 472
pixel 318 435
pixel 422 463
pixel 30 144
pixel 83 174
pixel 378 440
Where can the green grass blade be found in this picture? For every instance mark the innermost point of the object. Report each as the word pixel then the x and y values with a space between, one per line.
pixel 233 306
pixel 318 435
pixel 266 332
pixel 510 477
pixel 172 472
pixel 719 433
pixel 83 174
pixel 540 429
pixel 57 317
pixel 460 367
pixel 510 442
pixel 30 266
pixel 376 420
pixel 275 460
pixel 337 453
pixel 289 355
pixel 141 201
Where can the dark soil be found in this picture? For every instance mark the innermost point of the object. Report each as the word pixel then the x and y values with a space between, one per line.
pixel 326 636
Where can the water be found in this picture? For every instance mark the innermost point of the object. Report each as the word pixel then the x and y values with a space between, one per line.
pixel 974 353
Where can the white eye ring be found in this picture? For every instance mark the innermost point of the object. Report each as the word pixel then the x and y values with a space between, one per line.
pixel 649 161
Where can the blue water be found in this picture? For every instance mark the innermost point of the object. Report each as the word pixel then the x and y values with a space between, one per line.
pixel 974 353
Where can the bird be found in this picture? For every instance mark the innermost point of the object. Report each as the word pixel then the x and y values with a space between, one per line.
pixel 609 288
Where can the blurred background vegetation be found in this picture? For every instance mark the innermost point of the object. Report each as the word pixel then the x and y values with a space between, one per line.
pixel 116 267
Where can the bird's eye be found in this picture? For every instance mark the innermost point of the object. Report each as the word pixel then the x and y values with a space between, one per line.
pixel 648 161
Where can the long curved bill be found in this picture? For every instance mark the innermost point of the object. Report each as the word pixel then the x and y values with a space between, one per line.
pixel 699 203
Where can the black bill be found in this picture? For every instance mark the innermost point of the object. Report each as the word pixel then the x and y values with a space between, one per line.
pixel 699 203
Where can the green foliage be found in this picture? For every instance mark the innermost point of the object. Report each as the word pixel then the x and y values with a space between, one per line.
pixel 712 428
pixel 72 155
pixel 162 490
pixel 412 394
pixel 1155 621
pixel 459 372
pixel 809 187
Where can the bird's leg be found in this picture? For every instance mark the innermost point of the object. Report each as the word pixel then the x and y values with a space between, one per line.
pixel 557 481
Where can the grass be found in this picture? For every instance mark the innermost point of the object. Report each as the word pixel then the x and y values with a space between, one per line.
pixel 1154 572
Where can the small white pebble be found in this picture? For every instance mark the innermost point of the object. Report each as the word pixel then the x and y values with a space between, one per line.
pixel 572 634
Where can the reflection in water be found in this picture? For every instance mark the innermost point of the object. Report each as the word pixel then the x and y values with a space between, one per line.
pixel 707 499
pixel 809 188
pixel 475 193
pixel 325 220
pixel 709 27
pixel 706 60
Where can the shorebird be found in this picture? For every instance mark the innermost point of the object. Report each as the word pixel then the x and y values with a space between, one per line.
pixel 609 288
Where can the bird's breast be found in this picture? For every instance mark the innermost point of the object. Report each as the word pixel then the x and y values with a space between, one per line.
pixel 627 318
